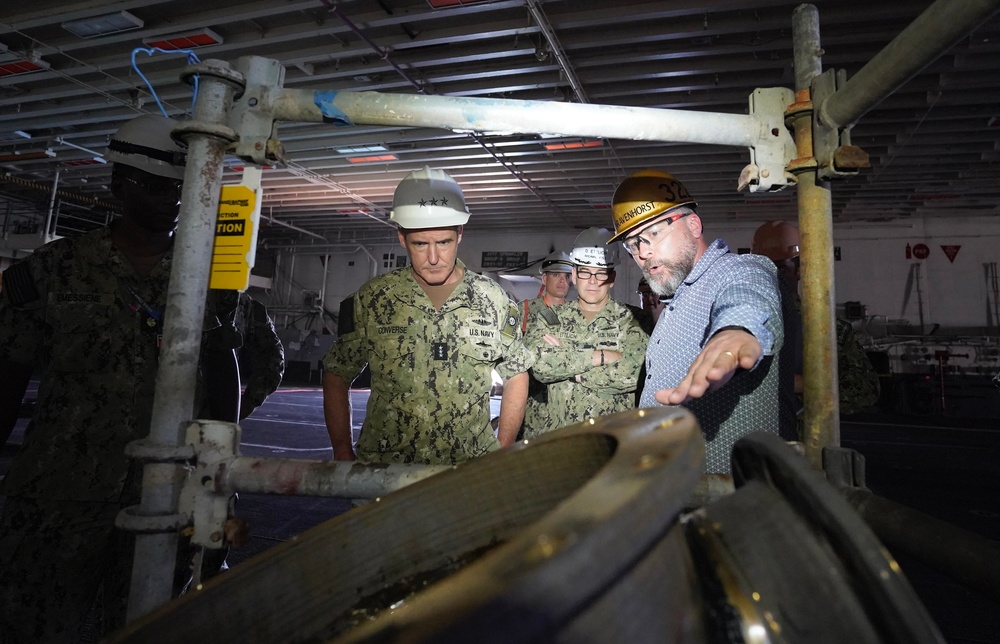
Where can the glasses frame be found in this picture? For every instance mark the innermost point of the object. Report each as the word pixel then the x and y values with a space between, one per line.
pixel 586 277
pixel 638 240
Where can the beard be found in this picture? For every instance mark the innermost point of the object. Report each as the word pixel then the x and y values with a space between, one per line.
pixel 672 273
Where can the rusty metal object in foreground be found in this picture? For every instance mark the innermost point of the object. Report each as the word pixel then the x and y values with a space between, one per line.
pixel 584 516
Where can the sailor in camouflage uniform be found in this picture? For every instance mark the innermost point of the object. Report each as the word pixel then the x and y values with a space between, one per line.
pixel 261 355
pixel 431 333
pixel 87 314
pixel 556 271
pixel 587 352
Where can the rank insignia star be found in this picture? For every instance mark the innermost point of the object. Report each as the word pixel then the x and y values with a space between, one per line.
pixel 434 201
pixel 422 203
pixel 150 322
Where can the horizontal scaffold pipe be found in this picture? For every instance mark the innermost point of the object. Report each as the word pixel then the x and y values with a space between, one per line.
pixel 931 34
pixel 342 479
pixel 510 116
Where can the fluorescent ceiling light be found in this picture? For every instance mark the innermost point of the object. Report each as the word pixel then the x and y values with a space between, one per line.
pixel 362 148
pixel 16 135
pixel 109 23
pixel 189 40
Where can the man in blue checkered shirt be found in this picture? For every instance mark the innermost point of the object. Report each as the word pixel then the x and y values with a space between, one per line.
pixel 715 345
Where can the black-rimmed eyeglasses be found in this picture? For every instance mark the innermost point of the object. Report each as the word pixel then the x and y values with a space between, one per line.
pixel 600 276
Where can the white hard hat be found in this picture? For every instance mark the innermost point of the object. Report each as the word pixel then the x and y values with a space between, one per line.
pixel 145 143
pixel 428 198
pixel 557 262
pixel 591 248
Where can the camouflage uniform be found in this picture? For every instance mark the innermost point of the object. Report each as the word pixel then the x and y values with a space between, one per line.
pixel 431 368
pixel 529 308
pixel 77 310
pixel 603 389
pixel 534 408
pixel 858 381
pixel 262 358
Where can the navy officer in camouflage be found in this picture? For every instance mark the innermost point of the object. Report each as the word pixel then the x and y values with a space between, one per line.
pixel 432 333
pixel 555 271
pixel 588 352
pixel 261 356
pixel 86 313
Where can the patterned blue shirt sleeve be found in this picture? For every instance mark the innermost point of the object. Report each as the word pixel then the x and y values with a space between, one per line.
pixel 751 301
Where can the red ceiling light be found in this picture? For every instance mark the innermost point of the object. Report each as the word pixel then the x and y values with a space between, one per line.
pixel 26 156
pixel 375 159
pixel 79 162
pixel 574 145
pixel 12 64
pixel 189 40
pixel 21 67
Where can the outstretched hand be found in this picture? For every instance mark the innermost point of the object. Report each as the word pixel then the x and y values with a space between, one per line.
pixel 724 353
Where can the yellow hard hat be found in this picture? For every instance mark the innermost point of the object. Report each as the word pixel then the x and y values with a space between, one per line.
pixel 644 195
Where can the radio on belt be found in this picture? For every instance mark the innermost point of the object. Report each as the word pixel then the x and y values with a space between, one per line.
pixel 236 232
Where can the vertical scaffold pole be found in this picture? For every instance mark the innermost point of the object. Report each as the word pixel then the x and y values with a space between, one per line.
pixel 819 353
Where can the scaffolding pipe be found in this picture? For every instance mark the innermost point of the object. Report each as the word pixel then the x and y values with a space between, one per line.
pixel 930 35
pixel 343 479
pixel 815 204
pixel 966 557
pixel 52 207
pixel 509 116
pixel 271 220
pixel 173 401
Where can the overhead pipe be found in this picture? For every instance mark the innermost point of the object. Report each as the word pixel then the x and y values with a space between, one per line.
pixel 272 220
pixel 510 116
pixel 97 156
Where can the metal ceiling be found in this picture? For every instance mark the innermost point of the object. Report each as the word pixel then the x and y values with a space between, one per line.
pixel 934 144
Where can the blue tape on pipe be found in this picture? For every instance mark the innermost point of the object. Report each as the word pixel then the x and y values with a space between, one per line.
pixel 331 114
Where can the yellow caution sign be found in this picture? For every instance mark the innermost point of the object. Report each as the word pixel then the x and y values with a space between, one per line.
pixel 236 233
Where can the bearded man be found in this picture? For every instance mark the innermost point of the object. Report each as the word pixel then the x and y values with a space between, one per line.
pixel 715 344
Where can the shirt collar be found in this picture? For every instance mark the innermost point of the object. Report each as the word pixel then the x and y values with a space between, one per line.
pixel 716 249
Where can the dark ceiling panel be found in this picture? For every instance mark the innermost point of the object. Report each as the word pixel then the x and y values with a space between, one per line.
pixel 934 144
